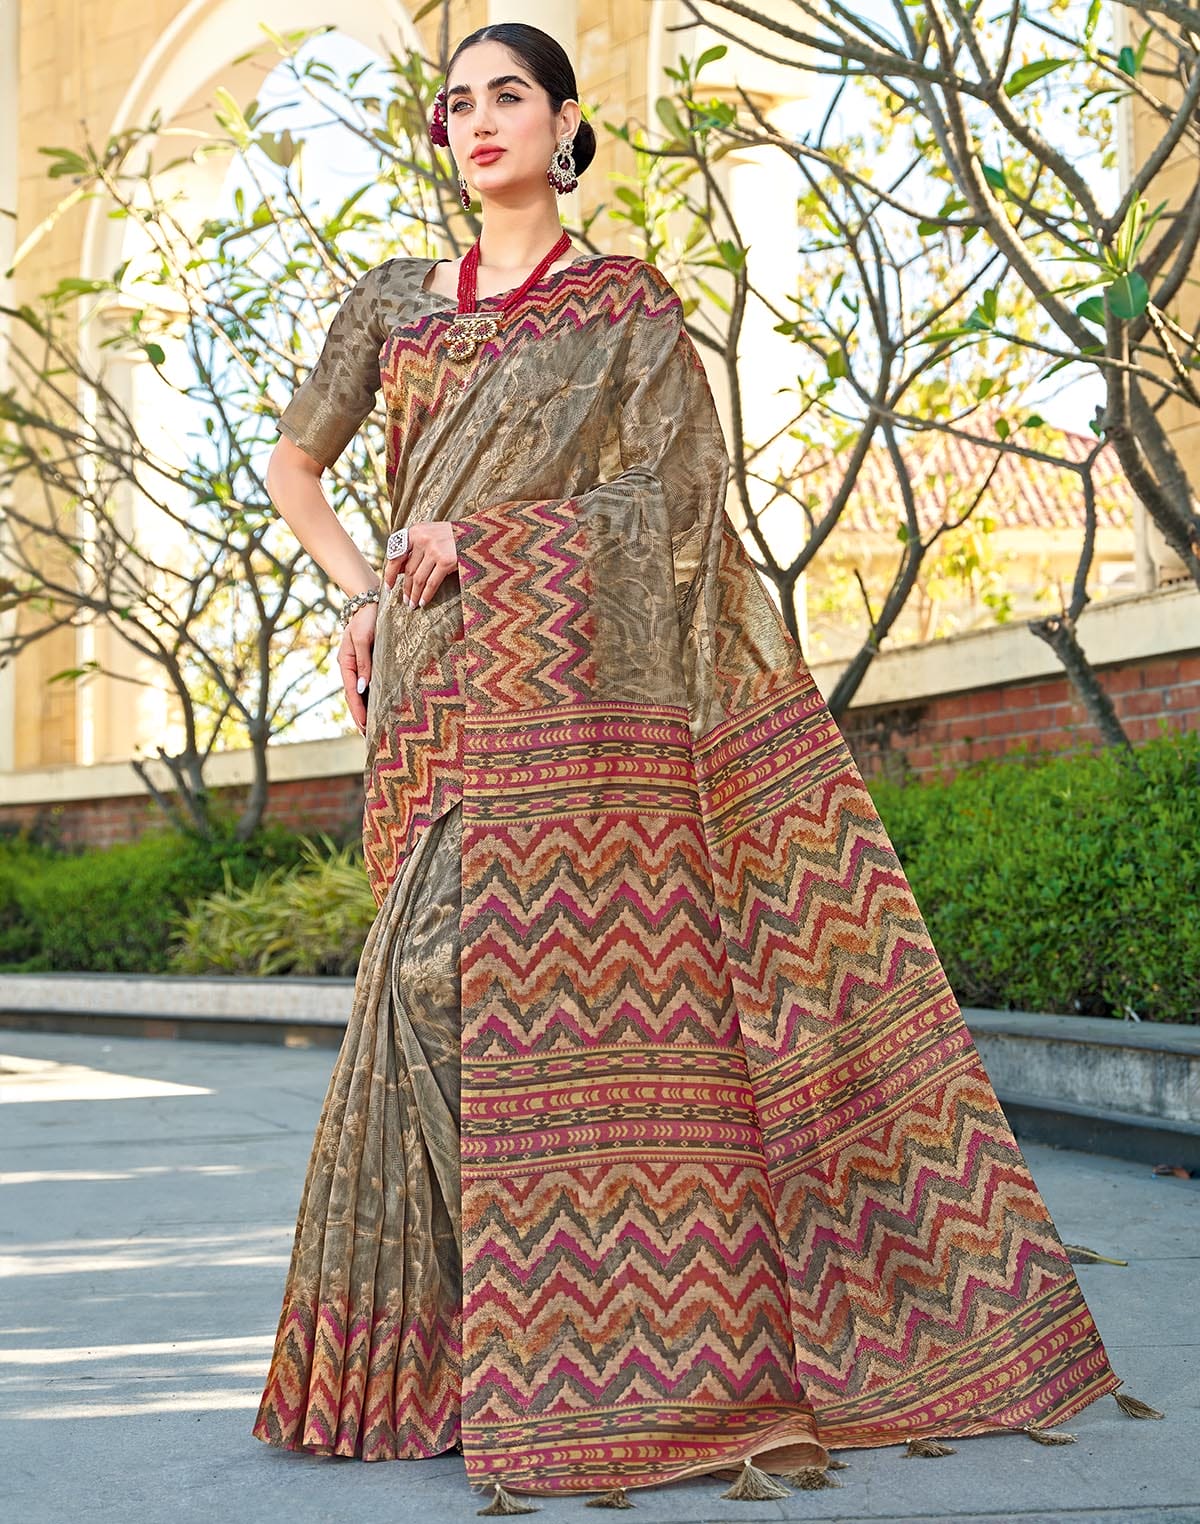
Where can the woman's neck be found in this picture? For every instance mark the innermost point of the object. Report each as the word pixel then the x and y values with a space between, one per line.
pixel 516 240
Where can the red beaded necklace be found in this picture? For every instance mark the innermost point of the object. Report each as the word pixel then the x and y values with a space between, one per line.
pixel 470 328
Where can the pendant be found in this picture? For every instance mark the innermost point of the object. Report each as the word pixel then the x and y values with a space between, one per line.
pixel 467 331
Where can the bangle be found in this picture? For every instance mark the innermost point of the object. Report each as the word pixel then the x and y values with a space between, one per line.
pixel 352 605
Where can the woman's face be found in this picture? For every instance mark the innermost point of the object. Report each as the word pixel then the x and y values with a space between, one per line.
pixel 492 101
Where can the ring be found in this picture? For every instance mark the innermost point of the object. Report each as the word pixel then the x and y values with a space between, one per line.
pixel 397 543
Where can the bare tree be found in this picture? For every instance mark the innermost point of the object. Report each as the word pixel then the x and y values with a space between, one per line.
pixel 176 546
pixel 973 88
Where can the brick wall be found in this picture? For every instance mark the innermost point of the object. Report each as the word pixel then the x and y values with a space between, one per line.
pixel 921 738
pixel 333 805
pixel 944 732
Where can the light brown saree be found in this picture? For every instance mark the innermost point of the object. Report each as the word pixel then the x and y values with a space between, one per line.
pixel 657 1141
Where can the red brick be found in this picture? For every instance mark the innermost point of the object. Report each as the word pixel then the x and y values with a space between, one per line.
pixel 1146 702
pixel 1121 679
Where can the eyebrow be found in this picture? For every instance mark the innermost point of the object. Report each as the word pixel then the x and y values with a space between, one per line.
pixel 492 84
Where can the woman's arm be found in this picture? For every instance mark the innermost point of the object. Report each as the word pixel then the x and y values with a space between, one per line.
pixel 294 483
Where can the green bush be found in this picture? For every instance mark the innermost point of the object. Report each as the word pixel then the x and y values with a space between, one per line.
pixel 1061 883
pixel 20 940
pixel 312 918
pixel 114 910
pixel 1049 883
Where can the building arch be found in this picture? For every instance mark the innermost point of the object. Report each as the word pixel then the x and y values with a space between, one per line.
pixel 197 49
pixel 195 52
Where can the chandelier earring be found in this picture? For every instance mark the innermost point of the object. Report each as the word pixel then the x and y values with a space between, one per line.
pixel 464 194
pixel 561 173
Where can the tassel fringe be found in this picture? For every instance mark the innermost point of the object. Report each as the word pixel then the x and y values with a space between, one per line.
pixel 504 1502
pixel 836 1465
pixel 1135 1407
pixel 1080 1254
pixel 927 1448
pixel 809 1479
pixel 615 1497
pixel 755 1486
pixel 1048 1436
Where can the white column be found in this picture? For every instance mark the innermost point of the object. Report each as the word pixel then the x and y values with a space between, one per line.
pixel 9 134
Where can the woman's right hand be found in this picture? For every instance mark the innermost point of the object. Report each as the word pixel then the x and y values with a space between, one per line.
pixel 354 661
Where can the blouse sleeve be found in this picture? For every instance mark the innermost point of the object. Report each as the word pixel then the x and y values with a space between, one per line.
pixel 338 394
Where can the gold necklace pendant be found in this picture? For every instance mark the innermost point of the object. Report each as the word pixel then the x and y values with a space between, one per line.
pixel 467 331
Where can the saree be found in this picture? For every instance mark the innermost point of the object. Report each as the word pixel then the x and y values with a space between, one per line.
pixel 657 1142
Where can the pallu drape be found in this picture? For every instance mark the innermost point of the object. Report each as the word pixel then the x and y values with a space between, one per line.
pixel 650 1043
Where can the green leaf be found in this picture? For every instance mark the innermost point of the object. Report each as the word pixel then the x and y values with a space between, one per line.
pixel 1092 311
pixel 732 256
pixel 1002 429
pixel 835 364
pixel 669 117
pixel 995 177
pixel 70 674
pixel 232 118
pixel 710 55
pixel 1028 74
pixel 155 353
pixel 66 162
pixel 1128 295
pixel 76 285
pixel 1127 62
pixel 714 296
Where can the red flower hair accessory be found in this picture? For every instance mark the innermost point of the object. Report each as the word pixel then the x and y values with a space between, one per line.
pixel 438 132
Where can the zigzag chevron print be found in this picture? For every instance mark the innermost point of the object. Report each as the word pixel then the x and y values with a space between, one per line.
pixel 734 1180
pixel 657 1142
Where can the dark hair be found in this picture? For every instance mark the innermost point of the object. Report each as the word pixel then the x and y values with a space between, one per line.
pixel 546 60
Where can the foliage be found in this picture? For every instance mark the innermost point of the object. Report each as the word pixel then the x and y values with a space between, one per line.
pixel 1061 883
pixel 1008 116
pixel 888 276
pixel 311 918
pixel 114 910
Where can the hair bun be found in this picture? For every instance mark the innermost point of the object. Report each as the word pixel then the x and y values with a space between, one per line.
pixel 583 148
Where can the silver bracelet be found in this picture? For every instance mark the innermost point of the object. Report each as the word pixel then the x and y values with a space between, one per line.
pixel 358 601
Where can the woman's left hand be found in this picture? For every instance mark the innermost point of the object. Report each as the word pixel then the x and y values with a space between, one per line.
pixel 431 556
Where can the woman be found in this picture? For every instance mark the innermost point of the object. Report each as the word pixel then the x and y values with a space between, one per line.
pixel 657 1145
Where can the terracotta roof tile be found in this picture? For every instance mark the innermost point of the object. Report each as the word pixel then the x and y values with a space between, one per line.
pixel 947 471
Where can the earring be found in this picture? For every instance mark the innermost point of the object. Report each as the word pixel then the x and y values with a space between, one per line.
pixel 464 194
pixel 561 173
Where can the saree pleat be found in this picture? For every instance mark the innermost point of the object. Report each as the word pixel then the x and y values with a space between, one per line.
pixel 658 1142
pixel 368 1347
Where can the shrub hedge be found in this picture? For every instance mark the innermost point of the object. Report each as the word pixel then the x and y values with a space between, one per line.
pixel 115 910
pixel 307 919
pixel 1066 883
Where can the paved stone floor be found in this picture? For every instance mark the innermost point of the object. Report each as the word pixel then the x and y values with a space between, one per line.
pixel 149 1196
